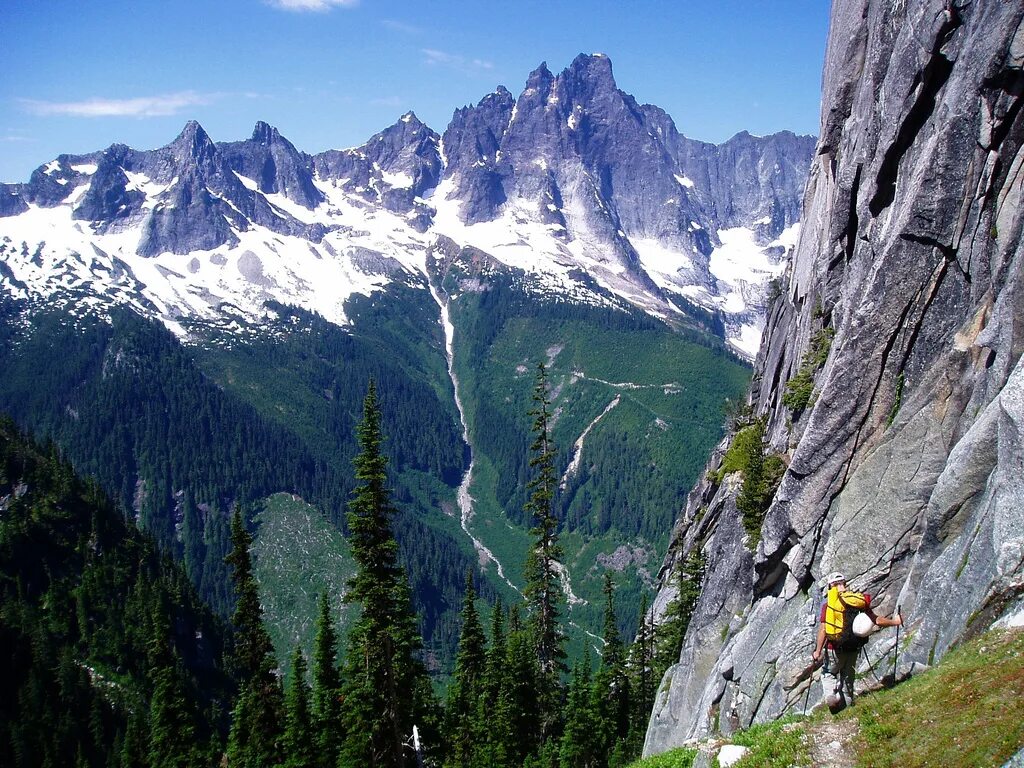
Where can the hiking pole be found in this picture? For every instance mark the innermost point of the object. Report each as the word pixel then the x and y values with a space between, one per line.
pixel 896 647
pixel 810 684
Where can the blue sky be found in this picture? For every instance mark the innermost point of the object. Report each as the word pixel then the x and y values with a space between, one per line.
pixel 79 76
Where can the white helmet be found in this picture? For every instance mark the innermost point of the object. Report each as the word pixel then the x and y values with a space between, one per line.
pixel 834 578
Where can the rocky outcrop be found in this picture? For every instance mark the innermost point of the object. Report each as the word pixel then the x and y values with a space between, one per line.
pixel 906 462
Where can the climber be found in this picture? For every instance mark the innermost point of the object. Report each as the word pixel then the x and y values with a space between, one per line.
pixel 841 633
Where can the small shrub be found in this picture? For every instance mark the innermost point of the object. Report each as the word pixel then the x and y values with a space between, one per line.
pixel 800 388
pixel 676 758
pixel 761 477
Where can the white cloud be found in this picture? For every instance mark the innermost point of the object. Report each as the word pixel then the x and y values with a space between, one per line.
pixel 401 26
pixel 311 5
pixel 435 57
pixel 143 106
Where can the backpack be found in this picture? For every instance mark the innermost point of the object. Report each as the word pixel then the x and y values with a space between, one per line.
pixel 840 611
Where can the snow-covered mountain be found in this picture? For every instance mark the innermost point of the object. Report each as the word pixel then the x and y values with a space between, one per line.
pixel 591 194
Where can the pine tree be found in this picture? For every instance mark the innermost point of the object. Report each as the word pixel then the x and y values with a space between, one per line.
pixel 255 738
pixel 672 632
pixel 386 689
pixel 643 684
pixel 520 695
pixel 327 733
pixel 543 591
pixel 299 748
pixel 580 745
pixel 611 687
pixel 467 685
pixel 493 715
pixel 172 730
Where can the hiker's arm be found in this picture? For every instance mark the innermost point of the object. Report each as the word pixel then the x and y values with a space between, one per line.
pixel 882 621
pixel 820 643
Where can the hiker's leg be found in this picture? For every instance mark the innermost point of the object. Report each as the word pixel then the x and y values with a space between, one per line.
pixel 830 682
pixel 847 663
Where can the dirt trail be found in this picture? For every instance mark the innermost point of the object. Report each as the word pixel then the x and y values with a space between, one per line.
pixel 831 743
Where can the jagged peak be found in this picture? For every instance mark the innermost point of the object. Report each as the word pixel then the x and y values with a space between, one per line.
pixel 193 141
pixel 592 66
pixel 264 133
pixel 540 78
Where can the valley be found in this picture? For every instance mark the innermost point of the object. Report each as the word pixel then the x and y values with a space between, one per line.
pixel 286 281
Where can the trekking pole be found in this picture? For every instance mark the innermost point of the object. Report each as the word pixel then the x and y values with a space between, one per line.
pixel 896 647
pixel 810 684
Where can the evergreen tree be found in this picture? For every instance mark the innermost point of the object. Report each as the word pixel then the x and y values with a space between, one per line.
pixel 672 632
pixel 255 738
pixel 386 689
pixel 611 687
pixel 172 730
pixel 580 745
pixel 299 748
pixel 493 715
pixel 326 689
pixel 643 684
pixel 467 685
pixel 520 694
pixel 543 590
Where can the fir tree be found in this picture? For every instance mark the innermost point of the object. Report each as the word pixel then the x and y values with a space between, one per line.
pixel 643 684
pixel 299 748
pixel 580 745
pixel 386 689
pixel 255 738
pixel 326 689
pixel 493 716
pixel 172 728
pixel 672 632
pixel 520 695
pixel 467 685
pixel 543 591
pixel 611 687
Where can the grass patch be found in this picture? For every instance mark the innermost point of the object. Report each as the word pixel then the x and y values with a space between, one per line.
pixel 773 745
pixel 969 711
pixel 676 758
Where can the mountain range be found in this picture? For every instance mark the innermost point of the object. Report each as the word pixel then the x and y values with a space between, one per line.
pixel 575 183
pixel 217 309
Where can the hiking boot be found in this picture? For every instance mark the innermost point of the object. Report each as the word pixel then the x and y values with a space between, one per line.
pixel 834 703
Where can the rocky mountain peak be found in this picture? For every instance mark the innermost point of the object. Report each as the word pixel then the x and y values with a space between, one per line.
pixel 193 144
pixel 264 133
pixel 592 70
pixel 576 171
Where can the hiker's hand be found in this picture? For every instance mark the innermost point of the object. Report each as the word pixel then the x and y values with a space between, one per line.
pixel 897 620
pixel 816 655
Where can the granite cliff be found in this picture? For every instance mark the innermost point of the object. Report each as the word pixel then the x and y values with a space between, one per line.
pixel 889 382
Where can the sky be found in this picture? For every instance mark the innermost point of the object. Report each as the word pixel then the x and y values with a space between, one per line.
pixel 79 76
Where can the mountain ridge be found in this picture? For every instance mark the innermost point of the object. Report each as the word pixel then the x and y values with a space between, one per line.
pixel 574 171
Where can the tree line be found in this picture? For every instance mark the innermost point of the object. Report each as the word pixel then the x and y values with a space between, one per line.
pixel 117 663
pixel 512 700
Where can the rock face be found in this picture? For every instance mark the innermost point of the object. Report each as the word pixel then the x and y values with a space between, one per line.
pixel 906 466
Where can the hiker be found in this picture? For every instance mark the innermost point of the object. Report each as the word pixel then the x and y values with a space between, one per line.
pixel 837 638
